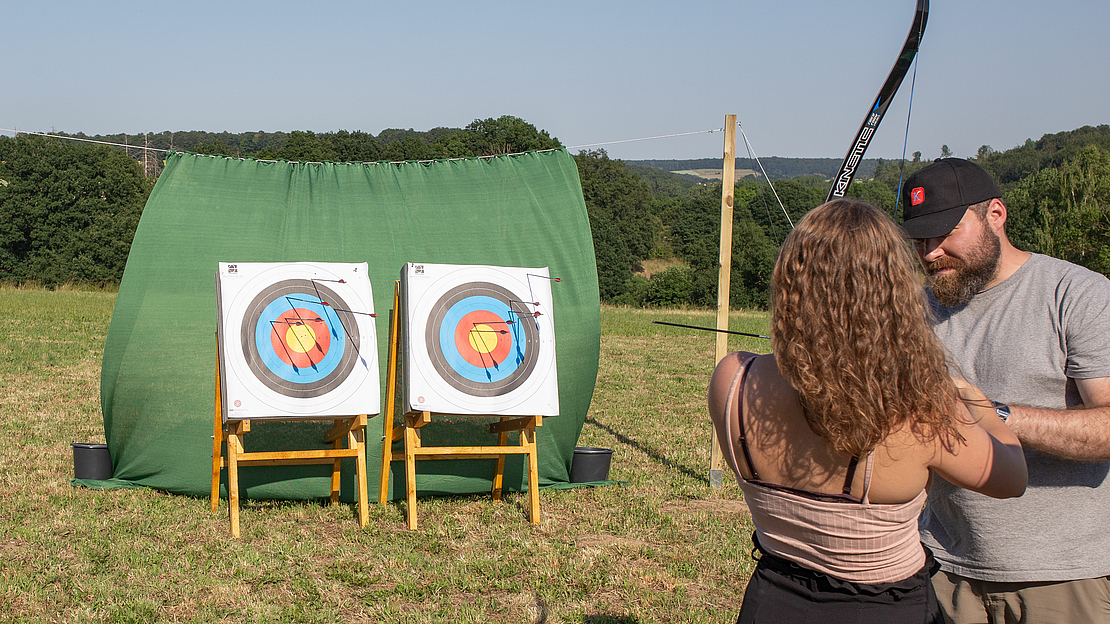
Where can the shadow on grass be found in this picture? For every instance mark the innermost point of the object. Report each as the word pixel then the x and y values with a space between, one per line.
pixel 610 619
pixel 650 452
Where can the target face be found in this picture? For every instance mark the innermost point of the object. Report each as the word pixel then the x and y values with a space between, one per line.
pixel 480 340
pixel 296 340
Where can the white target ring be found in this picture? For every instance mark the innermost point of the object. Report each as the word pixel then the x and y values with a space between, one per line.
pixel 297 340
pixel 479 340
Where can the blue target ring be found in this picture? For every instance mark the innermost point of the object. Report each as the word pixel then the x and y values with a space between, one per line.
pixel 324 371
pixel 494 371
pixel 317 370
pixel 497 377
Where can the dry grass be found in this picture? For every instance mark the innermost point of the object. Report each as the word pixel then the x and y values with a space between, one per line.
pixel 663 548
pixel 717 174
pixel 651 266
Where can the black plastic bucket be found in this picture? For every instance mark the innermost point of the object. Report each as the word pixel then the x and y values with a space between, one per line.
pixel 590 464
pixel 91 461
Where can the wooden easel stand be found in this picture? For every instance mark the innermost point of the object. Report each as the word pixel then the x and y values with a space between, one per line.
pixel 346 429
pixel 413 422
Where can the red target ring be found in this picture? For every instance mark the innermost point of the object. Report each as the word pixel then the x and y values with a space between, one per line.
pixel 300 337
pixel 482 339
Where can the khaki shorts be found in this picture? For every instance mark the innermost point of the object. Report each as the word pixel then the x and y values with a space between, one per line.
pixel 971 601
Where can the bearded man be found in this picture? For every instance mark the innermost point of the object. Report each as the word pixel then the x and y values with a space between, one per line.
pixel 1033 332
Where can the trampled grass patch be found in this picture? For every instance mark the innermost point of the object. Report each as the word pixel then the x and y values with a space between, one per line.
pixel 663 548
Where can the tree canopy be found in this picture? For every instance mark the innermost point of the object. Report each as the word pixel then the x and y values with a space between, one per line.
pixel 68 211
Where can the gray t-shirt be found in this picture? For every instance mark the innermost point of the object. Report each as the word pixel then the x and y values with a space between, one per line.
pixel 1023 342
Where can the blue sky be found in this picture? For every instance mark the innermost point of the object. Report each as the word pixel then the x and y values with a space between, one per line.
pixel 799 74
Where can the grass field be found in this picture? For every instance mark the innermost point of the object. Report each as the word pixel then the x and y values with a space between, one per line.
pixel 663 548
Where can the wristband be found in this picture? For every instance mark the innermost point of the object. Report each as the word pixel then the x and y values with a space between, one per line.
pixel 1002 410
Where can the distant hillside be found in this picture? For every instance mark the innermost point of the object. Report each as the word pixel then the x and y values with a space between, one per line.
pixel 777 168
pixel 665 183
pixel 1049 152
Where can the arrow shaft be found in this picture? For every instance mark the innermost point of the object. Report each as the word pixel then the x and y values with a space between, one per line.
pixel 712 329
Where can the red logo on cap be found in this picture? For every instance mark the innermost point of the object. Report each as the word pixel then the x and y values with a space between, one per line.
pixel 917 196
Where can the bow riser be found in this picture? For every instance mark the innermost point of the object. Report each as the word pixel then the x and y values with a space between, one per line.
pixel 882 102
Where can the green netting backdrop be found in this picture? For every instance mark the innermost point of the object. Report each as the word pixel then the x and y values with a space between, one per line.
pixel 157 382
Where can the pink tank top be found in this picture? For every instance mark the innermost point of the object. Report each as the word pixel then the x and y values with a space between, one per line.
pixel 846 538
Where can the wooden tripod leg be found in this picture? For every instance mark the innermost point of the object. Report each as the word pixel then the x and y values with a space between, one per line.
pixel 528 439
pixel 387 457
pixel 335 473
pixel 217 443
pixel 357 440
pixel 217 460
pixel 412 442
pixel 390 393
pixel 234 448
pixel 499 473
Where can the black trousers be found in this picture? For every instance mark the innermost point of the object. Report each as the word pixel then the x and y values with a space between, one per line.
pixel 782 592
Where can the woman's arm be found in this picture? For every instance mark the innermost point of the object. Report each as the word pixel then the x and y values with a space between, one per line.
pixel 719 385
pixel 990 460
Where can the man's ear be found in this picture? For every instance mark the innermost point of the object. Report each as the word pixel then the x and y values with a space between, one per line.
pixel 996 215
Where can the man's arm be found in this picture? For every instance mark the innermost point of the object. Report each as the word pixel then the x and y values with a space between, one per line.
pixel 1081 434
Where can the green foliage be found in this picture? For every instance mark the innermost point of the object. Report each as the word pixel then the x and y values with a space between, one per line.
pixel 409 148
pixel 306 147
pixel 876 193
pixel 672 287
pixel 753 260
pixel 482 137
pixel 891 175
pixel 1069 209
pixel 696 234
pixel 797 197
pixel 619 207
pixel 1051 151
pixel 68 211
pixel 695 229
pixel 355 146
pixel 507 135
pixel 230 144
pixel 215 147
pixel 664 184
pixel 614 260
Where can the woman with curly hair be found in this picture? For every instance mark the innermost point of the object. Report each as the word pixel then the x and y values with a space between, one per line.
pixel 835 435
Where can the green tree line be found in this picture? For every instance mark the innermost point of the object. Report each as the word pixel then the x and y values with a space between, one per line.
pixel 68 211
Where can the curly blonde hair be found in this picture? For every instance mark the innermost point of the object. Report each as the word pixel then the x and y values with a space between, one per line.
pixel 850 331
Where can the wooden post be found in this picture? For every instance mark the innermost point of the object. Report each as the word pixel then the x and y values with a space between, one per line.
pixel 728 189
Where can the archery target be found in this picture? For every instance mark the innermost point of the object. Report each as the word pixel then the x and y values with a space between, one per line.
pixel 296 340
pixel 479 340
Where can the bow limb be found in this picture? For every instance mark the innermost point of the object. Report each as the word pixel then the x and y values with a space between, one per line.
pixel 882 102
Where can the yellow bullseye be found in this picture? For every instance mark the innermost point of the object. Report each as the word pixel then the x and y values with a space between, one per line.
pixel 483 339
pixel 300 338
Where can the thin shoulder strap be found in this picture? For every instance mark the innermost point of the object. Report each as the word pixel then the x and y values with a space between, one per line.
pixel 848 478
pixel 736 391
pixel 853 464
pixel 867 476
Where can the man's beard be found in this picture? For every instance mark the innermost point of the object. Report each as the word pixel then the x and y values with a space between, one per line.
pixel 970 276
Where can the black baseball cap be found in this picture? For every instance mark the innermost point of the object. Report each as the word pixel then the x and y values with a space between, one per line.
pixel 936 197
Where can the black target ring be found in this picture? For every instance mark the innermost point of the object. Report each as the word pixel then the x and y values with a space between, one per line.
pixel 338 319
pixel 524 332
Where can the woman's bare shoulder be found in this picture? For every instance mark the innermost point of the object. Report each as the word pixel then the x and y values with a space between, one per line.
pixel 723 376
